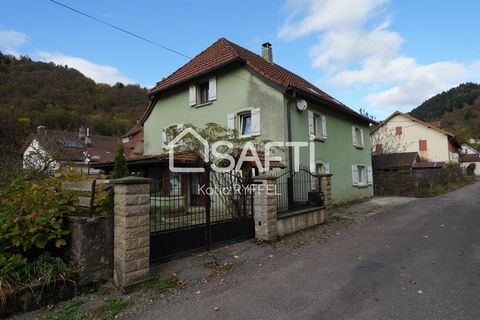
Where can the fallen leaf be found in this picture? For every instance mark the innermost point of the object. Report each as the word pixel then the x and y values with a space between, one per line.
pixel 216 308
pixel 236 257
pixel 270 256
pixel 198 292
pixel 420 291
pixel 412 281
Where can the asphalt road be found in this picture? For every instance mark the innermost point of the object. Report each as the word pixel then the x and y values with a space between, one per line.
pixel 417 261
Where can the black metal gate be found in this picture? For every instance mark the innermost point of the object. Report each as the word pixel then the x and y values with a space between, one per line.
pixel 194 211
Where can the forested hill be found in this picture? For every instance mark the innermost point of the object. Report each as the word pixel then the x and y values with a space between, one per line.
pixel 37 93
pixel 458 109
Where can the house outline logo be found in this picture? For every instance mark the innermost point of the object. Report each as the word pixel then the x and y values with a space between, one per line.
pixel 171 147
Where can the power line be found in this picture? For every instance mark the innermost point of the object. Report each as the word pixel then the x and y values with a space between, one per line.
pixel 120 29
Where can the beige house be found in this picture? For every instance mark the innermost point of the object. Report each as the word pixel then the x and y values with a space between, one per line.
pixel 401 132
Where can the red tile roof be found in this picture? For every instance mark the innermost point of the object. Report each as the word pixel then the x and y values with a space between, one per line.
pixel 224 52
pixel 67 146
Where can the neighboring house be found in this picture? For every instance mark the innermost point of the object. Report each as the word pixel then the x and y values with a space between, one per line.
pixel 48 150
pixel 236 88
pixel 409 134
pixel 468 159
pixel 467 149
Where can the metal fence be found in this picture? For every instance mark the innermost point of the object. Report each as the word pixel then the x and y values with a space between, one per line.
pixel 293 189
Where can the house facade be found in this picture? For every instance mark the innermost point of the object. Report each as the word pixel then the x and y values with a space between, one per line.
pixel 401 132
pixel 49 150
pixel 235 88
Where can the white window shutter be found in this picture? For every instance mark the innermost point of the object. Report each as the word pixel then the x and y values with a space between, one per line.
pixel 311 125
pixel 369 175
pixel 354 136
pixel 326 167
pixel 164 138
pixel 361 138
pixel 212 88
pixel 354 175
pixel 324 128
pixel 256 121
pixel 231 122
pixel 192 95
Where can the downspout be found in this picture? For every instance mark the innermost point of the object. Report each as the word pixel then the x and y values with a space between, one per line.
pixel 289 135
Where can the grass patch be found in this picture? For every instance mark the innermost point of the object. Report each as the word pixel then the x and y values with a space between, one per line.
pixel 434 189
pixel 69 312
pixel 72 310
pixel 340 217
pixel 164 285
pixel 110 309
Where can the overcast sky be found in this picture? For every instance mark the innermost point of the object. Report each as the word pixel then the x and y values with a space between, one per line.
pixel 378 55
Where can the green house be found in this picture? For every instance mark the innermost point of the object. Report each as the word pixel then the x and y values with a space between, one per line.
pixel 234 87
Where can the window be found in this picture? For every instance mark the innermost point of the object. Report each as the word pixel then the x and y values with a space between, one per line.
pixel 422 145
pixel 203 89
pixel 175 184
pixel 398 131
pixel 169 133
pixel 202 92
pixel 317 126
pixel 357 137
pixel 194 184
pixel 246 124
pixel 362 175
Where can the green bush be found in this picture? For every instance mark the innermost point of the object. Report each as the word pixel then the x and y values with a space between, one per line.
pixel 31 216
pixel 31 226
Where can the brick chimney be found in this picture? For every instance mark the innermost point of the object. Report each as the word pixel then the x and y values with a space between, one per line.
pixel 267 52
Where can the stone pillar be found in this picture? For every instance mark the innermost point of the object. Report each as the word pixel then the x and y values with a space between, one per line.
pixel 131 252
pixel 265 208
pixel 326 188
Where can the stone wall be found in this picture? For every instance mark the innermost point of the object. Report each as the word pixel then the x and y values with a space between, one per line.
pixel 292 222
pixel 269 225
pixel 90 247
pixel 409 183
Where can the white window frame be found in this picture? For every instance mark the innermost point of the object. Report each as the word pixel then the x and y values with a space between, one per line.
pixel 235 121
pixel 195 95
pixel 358 139
pixel 364 175
pixel 241 116
pixel 165 138
pixel 317 126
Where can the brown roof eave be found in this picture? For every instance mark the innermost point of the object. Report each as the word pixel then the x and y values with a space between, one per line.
pixel 154 91
pixel 309 95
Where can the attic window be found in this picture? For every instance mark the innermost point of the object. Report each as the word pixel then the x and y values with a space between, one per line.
pixel 203 89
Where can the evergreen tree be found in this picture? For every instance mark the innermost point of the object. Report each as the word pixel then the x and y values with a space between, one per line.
pixel 120 168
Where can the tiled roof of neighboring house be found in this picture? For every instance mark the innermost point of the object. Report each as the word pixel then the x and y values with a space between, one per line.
pixel 67 146
pixel 397 113
pixel 134 146
pixel 394 160
pixel 224 52
pixel 429 165
pixel 190 157
pixel 472 157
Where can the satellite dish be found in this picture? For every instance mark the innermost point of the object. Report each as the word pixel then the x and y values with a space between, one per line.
pixel 301 105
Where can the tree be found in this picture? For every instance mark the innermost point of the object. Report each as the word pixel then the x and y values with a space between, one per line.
pixel 388 139
pixel 120 168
